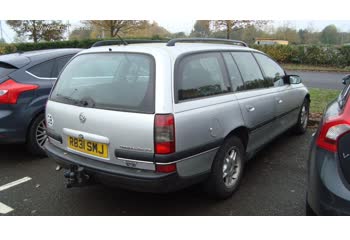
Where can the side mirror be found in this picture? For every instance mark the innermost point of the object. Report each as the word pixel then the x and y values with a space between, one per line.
pixel 346 79
pixel 292 79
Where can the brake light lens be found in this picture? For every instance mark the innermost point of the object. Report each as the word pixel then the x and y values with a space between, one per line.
pixel 330 133
pixel 166 168
pixel 164 134
pixel 10 90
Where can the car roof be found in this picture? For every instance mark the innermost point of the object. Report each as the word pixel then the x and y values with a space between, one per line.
pixel 21 59
pixel 173 51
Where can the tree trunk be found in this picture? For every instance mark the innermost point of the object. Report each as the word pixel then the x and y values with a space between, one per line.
pixel 35 34
pixel 228 30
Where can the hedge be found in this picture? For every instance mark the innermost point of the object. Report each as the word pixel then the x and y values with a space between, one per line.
pixel 311 55
pixel 22 47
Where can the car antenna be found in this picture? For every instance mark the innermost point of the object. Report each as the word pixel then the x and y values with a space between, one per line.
pixel 122 40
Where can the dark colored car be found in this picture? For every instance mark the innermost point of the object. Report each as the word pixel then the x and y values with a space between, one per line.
pixel 26 80
pixel 329 162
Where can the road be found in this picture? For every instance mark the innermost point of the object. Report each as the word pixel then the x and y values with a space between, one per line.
pixel 323 80
pixel 274 184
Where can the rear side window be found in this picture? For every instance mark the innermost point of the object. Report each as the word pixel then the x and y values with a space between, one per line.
pixel 116 81
pixel 43 70
pixel 6 69
pixel 250 70
pixel 59 64
pixel 200 75
pixel 273 72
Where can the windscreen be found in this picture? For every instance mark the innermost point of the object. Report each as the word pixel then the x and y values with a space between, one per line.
pixel 116 81
pixel 6 69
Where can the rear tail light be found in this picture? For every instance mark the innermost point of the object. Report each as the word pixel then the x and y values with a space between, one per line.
pixel 11 90
pixel 330 134
pixel 166 168
pixel 164 134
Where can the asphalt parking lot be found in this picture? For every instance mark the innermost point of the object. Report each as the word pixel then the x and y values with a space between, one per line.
pixel 274 184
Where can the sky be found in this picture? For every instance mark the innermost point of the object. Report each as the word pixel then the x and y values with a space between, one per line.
pixel 186 25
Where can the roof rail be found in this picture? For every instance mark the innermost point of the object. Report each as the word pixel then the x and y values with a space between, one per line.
pixel 125 42
pixel 172 42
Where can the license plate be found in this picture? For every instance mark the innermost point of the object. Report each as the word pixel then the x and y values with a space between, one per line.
pixel 88 147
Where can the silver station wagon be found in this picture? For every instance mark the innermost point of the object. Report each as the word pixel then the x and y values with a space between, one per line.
pixel 158 117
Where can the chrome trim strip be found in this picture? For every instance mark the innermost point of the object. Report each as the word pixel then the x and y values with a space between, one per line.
pixel 183 159
pixel 42 78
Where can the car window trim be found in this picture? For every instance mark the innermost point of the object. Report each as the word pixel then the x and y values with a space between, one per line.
pixel 41 78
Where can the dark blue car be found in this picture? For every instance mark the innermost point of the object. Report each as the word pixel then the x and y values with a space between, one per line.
pixel 26 80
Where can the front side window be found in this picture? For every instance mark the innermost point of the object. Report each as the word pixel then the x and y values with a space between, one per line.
pixel 273 72
pixel 250 70
pixel 201 75
pixel 116 81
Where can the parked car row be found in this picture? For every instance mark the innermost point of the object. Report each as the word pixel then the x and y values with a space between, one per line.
pixel 158 117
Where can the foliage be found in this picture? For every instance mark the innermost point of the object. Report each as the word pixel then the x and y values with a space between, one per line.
pixel 201 28
pixel 233 25
pixel 329 35
pixel 38 30
pixel 115 27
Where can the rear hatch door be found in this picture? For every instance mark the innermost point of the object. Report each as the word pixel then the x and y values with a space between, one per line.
pixel 102 107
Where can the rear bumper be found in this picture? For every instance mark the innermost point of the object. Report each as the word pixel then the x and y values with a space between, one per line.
pixel 328 191
pixel 123 177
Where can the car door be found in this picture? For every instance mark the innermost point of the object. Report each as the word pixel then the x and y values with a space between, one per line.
pixel 256 98
pixel 287 96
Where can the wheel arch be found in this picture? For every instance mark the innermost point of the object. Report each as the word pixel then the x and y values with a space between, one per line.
pixel 242 132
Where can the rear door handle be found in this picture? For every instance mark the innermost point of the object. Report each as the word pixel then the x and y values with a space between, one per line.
pixel 250 108
pixel 280 101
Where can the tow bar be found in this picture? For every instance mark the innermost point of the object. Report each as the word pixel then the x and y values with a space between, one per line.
pixel 77 177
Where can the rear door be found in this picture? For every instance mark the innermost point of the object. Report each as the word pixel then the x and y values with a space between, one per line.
pixel 103 107
pixel 257 100
pixel 288 97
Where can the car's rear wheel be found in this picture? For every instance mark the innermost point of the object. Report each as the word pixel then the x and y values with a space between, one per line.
pixel 37 136
pixel 303 119
pixel 308 210
pixel 227 169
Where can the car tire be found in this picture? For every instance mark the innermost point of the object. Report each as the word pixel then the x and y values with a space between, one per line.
pixel 227 169
pixel 308 210
pixel 303 118
pixel 37 136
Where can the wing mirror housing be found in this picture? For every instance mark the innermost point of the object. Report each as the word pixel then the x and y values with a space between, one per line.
pixel 346 79
pixel 292 79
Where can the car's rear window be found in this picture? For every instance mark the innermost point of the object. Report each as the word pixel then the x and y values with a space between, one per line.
pixel 6 69
pixel 116 81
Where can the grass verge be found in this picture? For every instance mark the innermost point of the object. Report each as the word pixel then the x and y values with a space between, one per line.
pixel 320 98
pixel 301 67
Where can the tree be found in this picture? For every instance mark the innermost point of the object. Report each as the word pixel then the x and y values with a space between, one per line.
pixel 179 35
pixel 80 33
pixel 287 33
pixel 149 30
pixel 114 27
pixel 201 28
pixel 234 25
pixel 38 30
pixel 329 35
